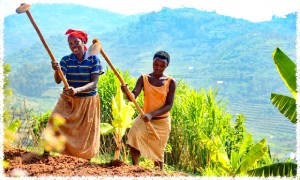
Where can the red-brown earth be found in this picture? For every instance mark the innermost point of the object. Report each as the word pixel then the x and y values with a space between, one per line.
pixel 26 163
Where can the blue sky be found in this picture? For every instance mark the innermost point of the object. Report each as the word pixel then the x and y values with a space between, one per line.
pixel 252 10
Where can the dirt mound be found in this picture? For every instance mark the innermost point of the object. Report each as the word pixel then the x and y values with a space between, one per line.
pixel 24 163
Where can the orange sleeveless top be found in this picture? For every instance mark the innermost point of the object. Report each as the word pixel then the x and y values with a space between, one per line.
pixel 155 97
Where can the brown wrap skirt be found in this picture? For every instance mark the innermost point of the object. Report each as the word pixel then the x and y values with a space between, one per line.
pixel 81 130
pixel 141 138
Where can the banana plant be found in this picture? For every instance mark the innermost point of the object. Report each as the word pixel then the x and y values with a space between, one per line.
pixel 287 106
pixel 122 119
pixel 287 70
pixel 10 133
pixel 239 162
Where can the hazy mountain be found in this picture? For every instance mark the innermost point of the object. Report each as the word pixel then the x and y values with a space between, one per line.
pixel 207 50
pixel 54 20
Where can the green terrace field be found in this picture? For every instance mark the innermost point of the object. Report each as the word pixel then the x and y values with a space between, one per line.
pixel 261 123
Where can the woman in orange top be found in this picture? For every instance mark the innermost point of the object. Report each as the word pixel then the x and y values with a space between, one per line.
pixel 159 92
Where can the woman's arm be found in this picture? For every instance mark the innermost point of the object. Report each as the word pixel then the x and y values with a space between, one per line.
pixel 55 67
pixel 136 90
pixel 57 78
pixel 88 87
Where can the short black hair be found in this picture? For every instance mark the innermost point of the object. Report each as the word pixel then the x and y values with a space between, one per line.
pixel 162 55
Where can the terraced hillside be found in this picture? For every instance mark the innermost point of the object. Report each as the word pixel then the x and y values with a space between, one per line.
pixel 279 132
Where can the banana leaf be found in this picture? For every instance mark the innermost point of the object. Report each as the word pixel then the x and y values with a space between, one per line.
pixel 234 159
pixel 237 156
pixel 9 132
pixel 14 126
pixel 218 153
pixel 123 117
pixel 287 70
pixel 286 105
pixel 106 128
pixel 287 169
pixel 246 142
pixel 122 113
pixel 251 158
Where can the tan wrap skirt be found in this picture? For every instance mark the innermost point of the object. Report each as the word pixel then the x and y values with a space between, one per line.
pixel 141 138
pixel 82 127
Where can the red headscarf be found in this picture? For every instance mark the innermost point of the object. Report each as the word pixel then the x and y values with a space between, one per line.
pixel 79 34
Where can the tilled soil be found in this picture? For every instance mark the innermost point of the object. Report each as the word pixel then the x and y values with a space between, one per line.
pixel 25 163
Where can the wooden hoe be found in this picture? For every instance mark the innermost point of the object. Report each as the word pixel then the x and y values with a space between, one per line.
pixel 25 8
pixel 94 49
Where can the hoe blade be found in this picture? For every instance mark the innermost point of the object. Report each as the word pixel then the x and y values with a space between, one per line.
pixel 94 49
pixel 23 8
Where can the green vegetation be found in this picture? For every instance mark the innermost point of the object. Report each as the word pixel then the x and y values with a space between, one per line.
pixel 10 127
pixel 203 141
pixel 7 93
pixel 287 70
pixel 10 133
pixel 122 114
pixel 202 131
pixel 277 169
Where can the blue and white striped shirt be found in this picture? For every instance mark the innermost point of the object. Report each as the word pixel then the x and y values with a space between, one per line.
pixel 79 74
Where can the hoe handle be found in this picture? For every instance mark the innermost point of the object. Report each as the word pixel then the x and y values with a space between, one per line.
pixel 128 92
pixel 60 73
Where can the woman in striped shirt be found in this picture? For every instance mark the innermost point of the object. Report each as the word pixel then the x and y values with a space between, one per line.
pixel 79 105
